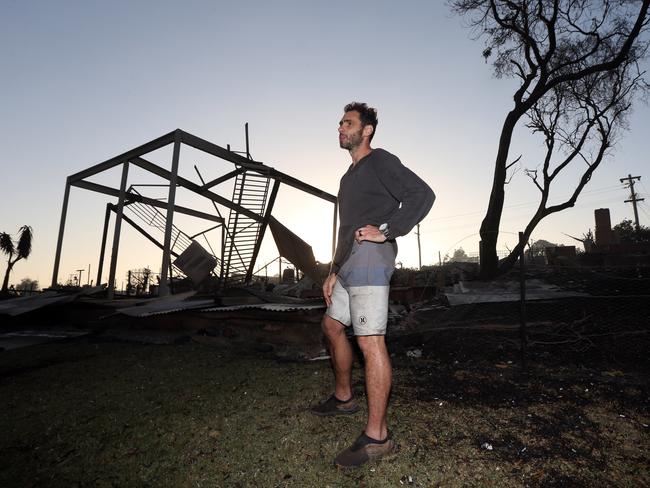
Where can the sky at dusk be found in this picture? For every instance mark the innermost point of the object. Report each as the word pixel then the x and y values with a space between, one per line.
pixel 85 81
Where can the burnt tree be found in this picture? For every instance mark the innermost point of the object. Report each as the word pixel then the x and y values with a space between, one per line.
pixel 577 62
pixel 15 252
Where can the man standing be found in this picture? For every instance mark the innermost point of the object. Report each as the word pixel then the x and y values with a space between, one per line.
pixel 379 199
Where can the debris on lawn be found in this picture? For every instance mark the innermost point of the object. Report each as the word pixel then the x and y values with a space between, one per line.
pixel 414 353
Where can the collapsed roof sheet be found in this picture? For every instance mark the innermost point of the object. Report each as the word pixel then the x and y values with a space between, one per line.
pixel 271 307
pixel 17 306
pixel 205 306
pixel 166 304
pixel 295 249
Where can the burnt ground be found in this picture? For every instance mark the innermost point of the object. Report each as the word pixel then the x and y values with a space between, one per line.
pixel 223 411
pixel 565 412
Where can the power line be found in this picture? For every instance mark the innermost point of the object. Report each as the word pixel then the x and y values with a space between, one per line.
pixel 608 189
pixel 476 222
pixel 646 192
pixel 645 209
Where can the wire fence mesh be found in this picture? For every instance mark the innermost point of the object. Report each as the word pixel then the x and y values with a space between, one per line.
pixel 575 307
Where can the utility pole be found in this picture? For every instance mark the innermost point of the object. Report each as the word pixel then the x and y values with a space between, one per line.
pixel 417 233
pixel 633 198
pixel 79 279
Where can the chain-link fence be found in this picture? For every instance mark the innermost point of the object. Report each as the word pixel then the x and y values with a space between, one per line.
pixel 570 305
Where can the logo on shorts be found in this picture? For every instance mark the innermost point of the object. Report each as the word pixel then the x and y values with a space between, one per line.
pixel 362 320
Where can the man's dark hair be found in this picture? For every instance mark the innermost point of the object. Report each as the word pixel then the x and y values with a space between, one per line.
pixel 368 115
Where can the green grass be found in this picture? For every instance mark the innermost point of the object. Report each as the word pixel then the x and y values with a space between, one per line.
pixel 122 415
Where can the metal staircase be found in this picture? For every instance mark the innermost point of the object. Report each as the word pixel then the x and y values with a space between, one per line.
pixel 151 216
pixel 251 192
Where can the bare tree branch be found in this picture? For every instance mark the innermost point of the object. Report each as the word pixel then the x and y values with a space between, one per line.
pixel 514 162
pixel 578 66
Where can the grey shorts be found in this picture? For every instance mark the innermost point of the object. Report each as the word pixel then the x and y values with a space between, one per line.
pixel 365 308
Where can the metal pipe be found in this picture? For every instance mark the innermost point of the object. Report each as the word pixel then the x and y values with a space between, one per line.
pixel 248 152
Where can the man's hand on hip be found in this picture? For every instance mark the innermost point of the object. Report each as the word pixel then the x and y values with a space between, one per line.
pixel 369 233
pixel 328 286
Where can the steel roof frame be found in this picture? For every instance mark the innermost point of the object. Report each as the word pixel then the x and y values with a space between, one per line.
pixel 135 157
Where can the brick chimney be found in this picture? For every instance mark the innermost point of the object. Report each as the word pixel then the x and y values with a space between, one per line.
pixel 604 234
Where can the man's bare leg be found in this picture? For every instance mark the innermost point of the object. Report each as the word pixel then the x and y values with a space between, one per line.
pixel 378 383
pixel 341 352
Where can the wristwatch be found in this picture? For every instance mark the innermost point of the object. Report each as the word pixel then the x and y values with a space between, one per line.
pixel 385 229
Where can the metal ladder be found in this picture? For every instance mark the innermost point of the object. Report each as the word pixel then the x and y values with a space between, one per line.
pixel 251 192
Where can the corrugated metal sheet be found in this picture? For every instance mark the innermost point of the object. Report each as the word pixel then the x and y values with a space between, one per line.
pixel 163 307
pixel 272 307
pixel 201 306
pixel 17 306
pixel 20 305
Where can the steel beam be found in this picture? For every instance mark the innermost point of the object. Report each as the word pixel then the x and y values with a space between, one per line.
pixel 138 151
pixel 134 197
pixel 163 289
pixel 205 231
pixel 220 152
pixel 116 232
pixel 263 226
pixel 224 230
pixel 300 185
pixel 223 178
pixel 261 168
pixel 59 242
pixel 102 250
pixel 142 231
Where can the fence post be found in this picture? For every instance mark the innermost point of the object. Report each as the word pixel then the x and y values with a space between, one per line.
pixel 522 301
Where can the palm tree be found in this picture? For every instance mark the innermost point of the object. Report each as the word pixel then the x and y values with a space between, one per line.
pixel 22 249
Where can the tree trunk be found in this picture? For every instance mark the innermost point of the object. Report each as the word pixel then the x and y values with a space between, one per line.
pixel 508 262
pixel 489 262
pixel 5 283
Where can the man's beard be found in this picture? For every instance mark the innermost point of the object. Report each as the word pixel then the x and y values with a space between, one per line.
pixel 352 141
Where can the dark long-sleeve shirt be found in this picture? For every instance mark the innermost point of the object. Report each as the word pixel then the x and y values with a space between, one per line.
pixel 379 189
